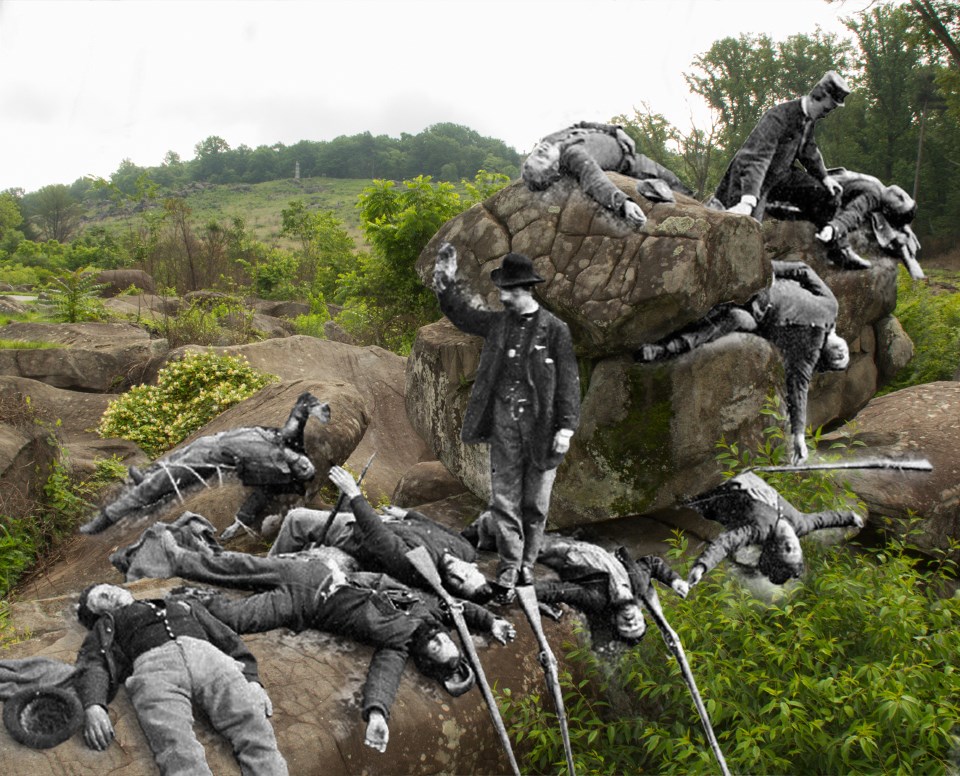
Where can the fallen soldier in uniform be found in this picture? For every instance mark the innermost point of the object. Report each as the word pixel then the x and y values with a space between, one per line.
pixel 170 655
pixel 889 211
pixel 381 544
pixel 761 529
pixel 592 580
pixel 271 460
pixel 798 314
pixel 584 151
pixel 308 591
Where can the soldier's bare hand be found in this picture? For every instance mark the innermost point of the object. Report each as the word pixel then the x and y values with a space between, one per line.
pixel 833 186
pixel 344 480
pixel 503 631
pixel 696 574
pixel 378 733
pixel 98 729
pixel 741 209
pixel 680 587
pixel 633 213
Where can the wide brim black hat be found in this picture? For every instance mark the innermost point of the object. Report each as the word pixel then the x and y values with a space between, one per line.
pixel 42 717
pixel 515 270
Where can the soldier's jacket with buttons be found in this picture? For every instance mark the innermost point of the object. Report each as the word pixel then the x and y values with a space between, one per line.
pixel 549 363
pixel 106 657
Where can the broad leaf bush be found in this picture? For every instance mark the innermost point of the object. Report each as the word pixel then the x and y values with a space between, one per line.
pixel 849 670
pixel 188 394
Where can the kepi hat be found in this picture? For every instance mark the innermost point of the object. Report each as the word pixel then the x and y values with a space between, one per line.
pixel 515 271
pixel 833 84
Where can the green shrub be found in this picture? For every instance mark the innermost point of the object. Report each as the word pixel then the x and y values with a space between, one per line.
pixel 17 274
pixel 850 670
pixel 930 315
pixel 188 394
pixel 222 320
pixel 74 297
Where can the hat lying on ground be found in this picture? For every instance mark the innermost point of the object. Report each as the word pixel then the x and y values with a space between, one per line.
pixel 42 717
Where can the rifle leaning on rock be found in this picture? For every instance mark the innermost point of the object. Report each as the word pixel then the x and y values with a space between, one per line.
pixel 422 561
pixel 651 602
pixel 527 597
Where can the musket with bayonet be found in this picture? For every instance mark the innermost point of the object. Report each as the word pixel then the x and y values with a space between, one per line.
pixel 646 592
pixel 892 464
pixel 422 561
pixel 527 597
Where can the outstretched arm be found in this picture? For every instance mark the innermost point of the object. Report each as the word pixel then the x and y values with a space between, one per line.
pixel 728 542
pixel 807 522
pixel 463 313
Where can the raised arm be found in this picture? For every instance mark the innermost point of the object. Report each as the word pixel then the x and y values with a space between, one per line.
pixel 465 314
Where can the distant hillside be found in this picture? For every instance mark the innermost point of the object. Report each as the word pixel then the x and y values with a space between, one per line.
pixel 258 204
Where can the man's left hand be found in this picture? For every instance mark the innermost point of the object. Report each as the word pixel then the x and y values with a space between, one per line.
pixel 262 698
pixel 561 442
pixel 833 186
pixel 378 733
pixel 633 213
pixel 798 448
pixel 503 631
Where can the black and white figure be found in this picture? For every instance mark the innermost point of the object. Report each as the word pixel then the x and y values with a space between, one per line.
pixel 171 655
pixel 761 529
pixel 381 543
pixel 271 460
pixel 887 210
pixel 525 403
pixel 592 580
pixel 310 592
pixel 764 168
pixel 798 314
pixel 584 151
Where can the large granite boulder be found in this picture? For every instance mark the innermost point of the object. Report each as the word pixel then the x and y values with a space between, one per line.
pixel 315 682
pixel 615 285
pixel 922 421
pixel 116 281
pixel 99 357
pixel 376 374
pixel 648 432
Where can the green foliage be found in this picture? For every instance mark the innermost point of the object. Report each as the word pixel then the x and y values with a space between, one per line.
pixel 313 322
pixel 930 315
pixel 18 275
pixel 384 300
pixel 848 671
pixel 274 274
pixel 188 394
pixel 222 319
pixel 75 297
pixel 326 249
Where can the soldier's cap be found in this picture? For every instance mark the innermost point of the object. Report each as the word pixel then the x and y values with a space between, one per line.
pixel 515 270
pixel 834 85
pixel 42 717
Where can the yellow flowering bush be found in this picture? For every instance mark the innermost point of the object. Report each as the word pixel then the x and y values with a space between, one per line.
pixel 188 394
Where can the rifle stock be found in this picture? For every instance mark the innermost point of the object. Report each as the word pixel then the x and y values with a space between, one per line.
pixel 422 561
pixel 527 597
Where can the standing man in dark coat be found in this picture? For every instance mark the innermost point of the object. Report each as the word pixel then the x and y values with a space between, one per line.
pixel 585 151
pixel 764 168
pixel 525 403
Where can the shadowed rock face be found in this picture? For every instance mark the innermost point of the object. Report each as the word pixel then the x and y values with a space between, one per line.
pixel 648 432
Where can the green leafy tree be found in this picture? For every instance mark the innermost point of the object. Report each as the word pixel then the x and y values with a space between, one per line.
pixel 54 212
pixel 327 250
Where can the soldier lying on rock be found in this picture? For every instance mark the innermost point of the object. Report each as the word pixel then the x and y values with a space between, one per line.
pixel 592 580
pixel 761 529
pixel 889 211
pixel 798 314
pixel 272 460
pixel 311 592
pixel 381 544
pixel 170 655
pixel 584 151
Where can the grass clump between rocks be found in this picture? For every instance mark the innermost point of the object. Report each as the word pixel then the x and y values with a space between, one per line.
pixel 188 394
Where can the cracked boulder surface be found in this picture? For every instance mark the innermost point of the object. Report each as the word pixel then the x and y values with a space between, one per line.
pixel 648 432
pixel 314 681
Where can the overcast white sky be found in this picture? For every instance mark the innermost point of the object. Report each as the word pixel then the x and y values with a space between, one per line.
pixel 87 83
